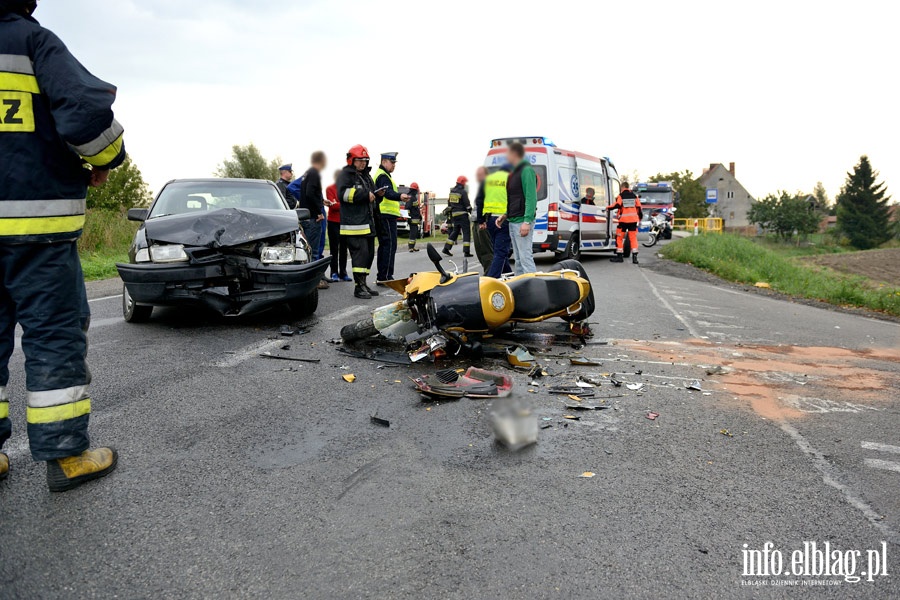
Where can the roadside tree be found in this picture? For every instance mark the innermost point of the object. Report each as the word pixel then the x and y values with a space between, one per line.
pixel 125 188
pixel 785 215
pixel 863 214
pixel 247 162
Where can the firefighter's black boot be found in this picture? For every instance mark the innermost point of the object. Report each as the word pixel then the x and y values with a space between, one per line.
pixel 447 248
pixel 634 259
pixel 617 258
pixel 4 466
pixel 67 473
pixel 361 292
pixel 370 290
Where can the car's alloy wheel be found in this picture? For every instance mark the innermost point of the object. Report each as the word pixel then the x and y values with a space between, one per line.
pixel 132 311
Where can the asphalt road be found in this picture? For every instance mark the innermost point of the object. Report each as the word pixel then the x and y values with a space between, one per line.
pixel 246 477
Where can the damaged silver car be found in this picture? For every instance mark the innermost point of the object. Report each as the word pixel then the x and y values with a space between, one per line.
pixel 230 245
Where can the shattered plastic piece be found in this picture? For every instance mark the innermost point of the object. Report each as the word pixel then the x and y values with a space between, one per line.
pixel 349 377
pixel 718 370
pixel 762 284
pixel 515 425
pixel 614 381
pixel 574 398
pixel 584 384
pixel 546 425
pixel 585 407
pixel 519 356
pixel 592 378
pixel 694 385
pixel 571 417
pixel 287 330
pixel 725 432
pixel 584 362
pixel 474 383
pixel 395 358
pixel 634 387
pixel 292 358
pixel 379 421
pixel 652 415
pixel 569 390
pixel 336 341
pixel 639 372
pixel 707 393
pixel 587 475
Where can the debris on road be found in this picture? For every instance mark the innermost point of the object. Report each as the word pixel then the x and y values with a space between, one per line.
pixel 515 425
pixel 585 384
pixel 762 285
pixel 587 475
pixel 634 387
pixel 570 390
pixel 727 433
pixel 291 358
pixel 380 422
pixel 591 378
pixel 519 356
pixel 571 417
pixel 694 385
pixel 652 415
pixel 718 370
pixel 614 381
pixel 349 377
pixel 287 330
pixel 473 383
pixel 378 355
pixel 584 362
pixel 586 407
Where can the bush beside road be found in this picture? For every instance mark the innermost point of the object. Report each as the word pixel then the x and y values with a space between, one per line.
pixel 105 241
pixel 742 260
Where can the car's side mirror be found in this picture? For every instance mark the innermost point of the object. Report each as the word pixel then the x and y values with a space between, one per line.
pixel 138 214
pixel 303 214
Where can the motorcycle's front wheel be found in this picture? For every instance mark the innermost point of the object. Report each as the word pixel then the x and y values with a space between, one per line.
pixel 359 331
pixel 651 241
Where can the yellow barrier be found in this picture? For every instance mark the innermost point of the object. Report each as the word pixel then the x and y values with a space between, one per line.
pixel 708 225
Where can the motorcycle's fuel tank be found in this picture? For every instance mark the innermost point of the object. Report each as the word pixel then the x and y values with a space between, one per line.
pixel 471 303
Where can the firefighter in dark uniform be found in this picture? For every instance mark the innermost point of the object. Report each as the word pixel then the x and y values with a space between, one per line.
pixel 630 214
pixel 387 211
pixel 459 208
pixel 414 208
pixel 356 192
pixel 57 136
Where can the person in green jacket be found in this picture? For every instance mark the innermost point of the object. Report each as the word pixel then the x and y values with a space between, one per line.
pixel 521 194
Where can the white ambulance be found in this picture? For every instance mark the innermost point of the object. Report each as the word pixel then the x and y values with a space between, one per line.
pixel 567 224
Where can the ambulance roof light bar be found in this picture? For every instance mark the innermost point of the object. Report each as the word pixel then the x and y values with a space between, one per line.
pixel 525 141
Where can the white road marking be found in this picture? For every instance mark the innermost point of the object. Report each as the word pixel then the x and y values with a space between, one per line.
pixel 346 313
pixel 664 302
pixel 719 325
pixel 694 305
pixel 106 298
pixel 248 352
pixel 880 447
pixel 884 465
pixel 821 464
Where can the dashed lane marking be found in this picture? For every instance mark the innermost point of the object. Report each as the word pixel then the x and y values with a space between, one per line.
pixel 880 447
pixel 884 465
pixel 105 298
pixel 664 302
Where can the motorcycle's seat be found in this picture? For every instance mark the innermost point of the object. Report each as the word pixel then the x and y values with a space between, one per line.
pixel 539 296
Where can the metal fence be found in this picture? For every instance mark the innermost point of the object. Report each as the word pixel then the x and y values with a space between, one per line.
pixel 707 225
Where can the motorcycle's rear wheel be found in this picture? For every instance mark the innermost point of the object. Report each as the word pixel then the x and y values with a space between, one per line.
pixel 359 331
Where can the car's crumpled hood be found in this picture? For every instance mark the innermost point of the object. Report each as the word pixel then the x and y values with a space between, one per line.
pixel 221 228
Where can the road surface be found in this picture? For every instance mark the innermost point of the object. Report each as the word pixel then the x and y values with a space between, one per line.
pixel 254 478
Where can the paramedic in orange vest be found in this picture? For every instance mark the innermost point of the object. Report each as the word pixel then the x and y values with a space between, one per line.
pixel 630 214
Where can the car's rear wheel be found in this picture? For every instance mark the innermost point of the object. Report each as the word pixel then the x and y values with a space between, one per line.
pixel 132 311
pixel 307 306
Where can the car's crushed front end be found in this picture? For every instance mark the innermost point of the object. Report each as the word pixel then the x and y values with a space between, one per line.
pixel 232 261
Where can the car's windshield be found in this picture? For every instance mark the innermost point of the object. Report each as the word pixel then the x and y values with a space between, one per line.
pixel 655 198
pixel 202 196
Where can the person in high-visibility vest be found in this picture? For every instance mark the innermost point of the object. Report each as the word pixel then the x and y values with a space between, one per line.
pixel 414 208
pixel 629 213
pixel 484 249
pixel 387 211
pixel 58 135
pixel 494 211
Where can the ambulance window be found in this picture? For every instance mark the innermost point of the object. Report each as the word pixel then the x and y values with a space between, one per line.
pixel 587 180
pixel 614 187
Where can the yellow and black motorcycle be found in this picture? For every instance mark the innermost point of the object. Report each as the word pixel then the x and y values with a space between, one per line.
pixel 442 313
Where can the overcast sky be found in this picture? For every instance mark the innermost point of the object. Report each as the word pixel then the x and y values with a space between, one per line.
pixel 792 91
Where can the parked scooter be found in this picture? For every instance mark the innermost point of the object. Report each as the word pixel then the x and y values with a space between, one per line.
pixel 445 313
pixel 660 228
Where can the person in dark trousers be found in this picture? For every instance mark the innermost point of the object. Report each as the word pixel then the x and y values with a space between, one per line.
pixel 285 177
pixel 495 207
pixel 336 241
pixel 387 211
pixel 459 207
pixel 312 198
pixel 56 119
pixel 630 214
pixel 484 247
pixel 414 209
pixel 356 193
pixel 521 199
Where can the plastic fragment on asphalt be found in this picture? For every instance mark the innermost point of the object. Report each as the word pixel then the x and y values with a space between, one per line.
pixel 379 421
pixel 571 417
pixel 287 330
pixel 584 362
pixel 762 284
pixel 349 377
pixel 584 384
pixel 574 398
pixel 727 433
pixel 694 385
pixel 634 387
pixel 291 358
pixel 519 356
pixel 586 475
pixel 707 393
pixel 585 407
pixel 652 415
pixel 718 370
pixel 615 381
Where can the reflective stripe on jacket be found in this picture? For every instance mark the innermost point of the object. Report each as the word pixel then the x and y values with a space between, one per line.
pixel 353 188
pixel 387 206
pixel 628 206
pixel 56 119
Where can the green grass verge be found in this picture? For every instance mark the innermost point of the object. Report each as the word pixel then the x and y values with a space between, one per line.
pixel 105 241
pixel 739 259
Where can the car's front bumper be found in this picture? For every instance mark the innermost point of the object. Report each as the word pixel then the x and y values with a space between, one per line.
pixel 228 286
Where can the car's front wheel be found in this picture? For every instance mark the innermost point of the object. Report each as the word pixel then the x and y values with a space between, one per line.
pixel 307 306
pixel 132 311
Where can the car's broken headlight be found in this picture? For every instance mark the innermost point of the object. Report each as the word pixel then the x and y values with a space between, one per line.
pixel 168 254
pixel 277 255
pixel 142 255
